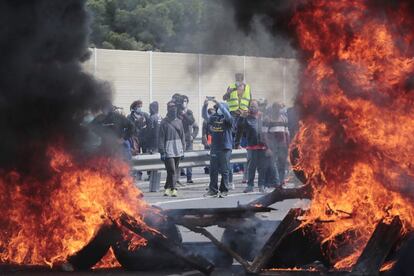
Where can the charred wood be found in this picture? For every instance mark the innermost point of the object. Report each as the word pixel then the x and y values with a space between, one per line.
pixel 160 240
pixel 223 217
pixel 288 224
pixel 220 245
pixel 96 249
pixel 339 247
pixel 280 194
pixel 378 247
pixel 236 211
pixel 299 248
pixel 151 256
pixel 404 256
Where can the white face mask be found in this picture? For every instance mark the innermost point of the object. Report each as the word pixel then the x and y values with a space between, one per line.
pixel 185 104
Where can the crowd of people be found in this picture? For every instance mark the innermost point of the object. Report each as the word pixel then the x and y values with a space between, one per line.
pixel 238 121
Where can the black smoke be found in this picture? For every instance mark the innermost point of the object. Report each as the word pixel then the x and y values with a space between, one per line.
pixel 44 92
pixel 274 16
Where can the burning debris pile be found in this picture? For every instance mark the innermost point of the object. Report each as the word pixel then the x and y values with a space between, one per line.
pixel 354 147
pixel 355 143
pixel 53 198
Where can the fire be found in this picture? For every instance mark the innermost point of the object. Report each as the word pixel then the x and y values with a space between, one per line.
pixel 44 222
pixel 109 260
pixel 355 140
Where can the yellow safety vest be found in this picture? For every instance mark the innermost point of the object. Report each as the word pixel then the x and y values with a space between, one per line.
pixel 235 103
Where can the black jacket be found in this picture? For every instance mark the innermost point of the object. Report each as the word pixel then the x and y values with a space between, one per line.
pixel 190 126
pixel 140 121
pixel 253 126
pixel 153 128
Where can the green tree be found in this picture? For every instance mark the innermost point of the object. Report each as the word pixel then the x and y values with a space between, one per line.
pixel 142 24
pixel 198 26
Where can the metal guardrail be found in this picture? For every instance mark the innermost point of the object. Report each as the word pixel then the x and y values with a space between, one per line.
pixel 152 162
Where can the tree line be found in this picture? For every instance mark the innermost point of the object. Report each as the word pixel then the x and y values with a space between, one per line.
pixel 194 26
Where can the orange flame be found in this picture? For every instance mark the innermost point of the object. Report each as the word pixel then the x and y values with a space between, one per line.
pixel 45 222
pixel 355 140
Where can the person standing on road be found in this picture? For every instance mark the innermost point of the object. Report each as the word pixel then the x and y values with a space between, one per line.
pixel 206 137
pixel 153 133
pixel 238 97
pixel 153 128
pixel 279 137
pixel 258 154
pixel 171 147
pixel 190 131
pixel 220 127
pixel 140 120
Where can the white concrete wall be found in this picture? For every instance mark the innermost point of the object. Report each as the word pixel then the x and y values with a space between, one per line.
pixel 150 76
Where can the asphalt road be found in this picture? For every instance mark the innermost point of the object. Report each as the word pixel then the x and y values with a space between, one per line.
pixel 191 196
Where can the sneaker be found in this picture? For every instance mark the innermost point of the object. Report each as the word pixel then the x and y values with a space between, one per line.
pixel 182 173
pixel 211 194
pixel 244 181
pixel 190 181
pixel 248 190
pixel 223 194
pixel 167 192
pixel 174 193
pixel 262 189
pixel 232 186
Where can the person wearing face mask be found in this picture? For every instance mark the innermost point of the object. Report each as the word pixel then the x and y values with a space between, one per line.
pixel 258 153
pixel 114 132
pixel 171 147
pixel 140 119
pixel 220 125
pixel 190 131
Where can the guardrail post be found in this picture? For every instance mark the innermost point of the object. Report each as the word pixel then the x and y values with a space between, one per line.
pixel 155 179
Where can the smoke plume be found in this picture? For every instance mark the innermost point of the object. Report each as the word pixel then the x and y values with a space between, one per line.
pixel 44 92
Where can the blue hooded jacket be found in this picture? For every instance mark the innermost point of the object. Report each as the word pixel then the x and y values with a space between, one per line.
pixel 220 127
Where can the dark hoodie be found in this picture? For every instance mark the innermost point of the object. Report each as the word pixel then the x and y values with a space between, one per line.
pixel 255 131
pixel 171 140
pixel 153 127
pixel 220 127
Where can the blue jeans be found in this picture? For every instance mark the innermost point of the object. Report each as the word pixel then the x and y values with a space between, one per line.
pixel 280 155
pixel 258 160
pixel 219 163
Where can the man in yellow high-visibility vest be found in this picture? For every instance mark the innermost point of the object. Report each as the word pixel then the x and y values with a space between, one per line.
pixel 238 97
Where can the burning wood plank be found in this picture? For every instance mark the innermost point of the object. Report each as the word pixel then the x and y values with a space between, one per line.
pixel 220 245
pixel 280 194
pixel 379 246
pixel 237 211
pixel 288 224
pixel 160 240
pixel 205 217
